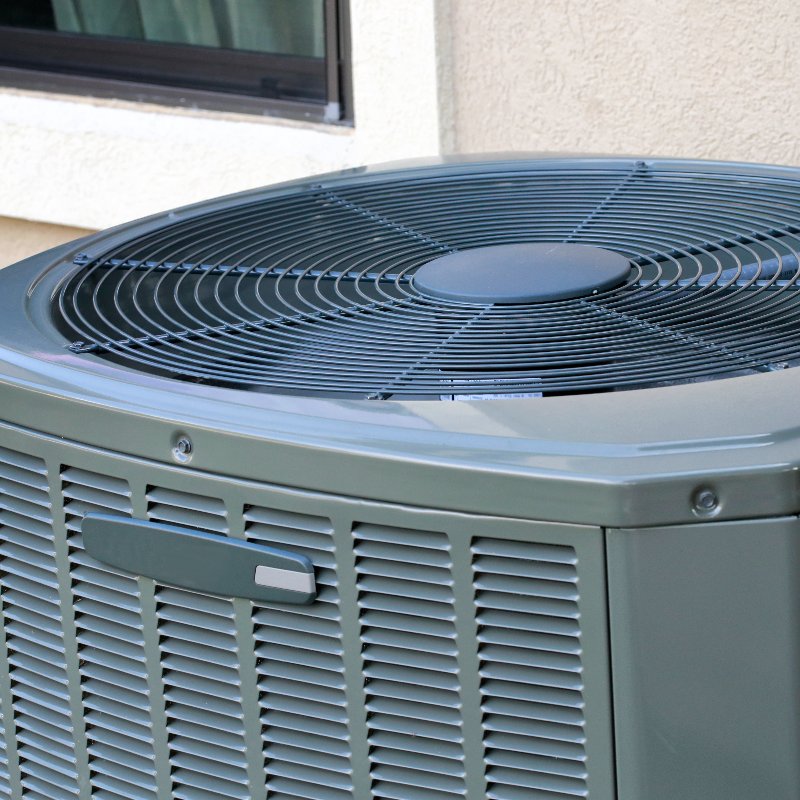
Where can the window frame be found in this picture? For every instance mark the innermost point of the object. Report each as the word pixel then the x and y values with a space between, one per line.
pixel 202 77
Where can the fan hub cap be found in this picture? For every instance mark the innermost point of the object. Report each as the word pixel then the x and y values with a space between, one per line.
pixel 522 273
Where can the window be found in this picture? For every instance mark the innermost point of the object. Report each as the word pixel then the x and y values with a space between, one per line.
pixel 281 57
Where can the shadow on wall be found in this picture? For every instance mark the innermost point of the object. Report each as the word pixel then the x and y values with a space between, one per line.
pixel 20 238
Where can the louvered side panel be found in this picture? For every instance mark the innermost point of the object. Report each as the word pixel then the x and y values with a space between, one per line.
pixel 411 670
pixel 33 630
pixel 108 621
pixel 5 775
pixel 301 670
pixel 200 663
pixel 530 659
pixel 189 510
pixel 6 714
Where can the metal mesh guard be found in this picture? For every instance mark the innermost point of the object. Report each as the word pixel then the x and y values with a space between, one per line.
pixel 311 292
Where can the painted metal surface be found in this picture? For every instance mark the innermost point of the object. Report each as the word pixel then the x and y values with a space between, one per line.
pixel 440 648
pixel 705 638
pixel 616 459
pixel 418 518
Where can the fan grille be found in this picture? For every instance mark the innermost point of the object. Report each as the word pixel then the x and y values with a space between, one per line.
pixel 312 292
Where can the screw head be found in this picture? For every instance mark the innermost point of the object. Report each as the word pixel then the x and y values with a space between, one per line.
pixel 182 448
pixel 705 501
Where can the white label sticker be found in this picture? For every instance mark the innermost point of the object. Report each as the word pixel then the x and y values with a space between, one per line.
pixel 488 396
pixel 276 578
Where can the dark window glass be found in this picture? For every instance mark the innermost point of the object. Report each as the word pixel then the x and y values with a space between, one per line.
pixel 289 51
pixel 28 14
pixel 293 27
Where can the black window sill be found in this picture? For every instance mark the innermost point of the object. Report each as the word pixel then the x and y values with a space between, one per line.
pixel 169 96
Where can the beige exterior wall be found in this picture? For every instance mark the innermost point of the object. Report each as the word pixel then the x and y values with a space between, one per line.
pixel 95 163
pixel 20 238
pixel 653 77
pixel 669 77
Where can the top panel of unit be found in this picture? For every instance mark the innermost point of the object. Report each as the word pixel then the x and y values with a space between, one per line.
pixel 484 279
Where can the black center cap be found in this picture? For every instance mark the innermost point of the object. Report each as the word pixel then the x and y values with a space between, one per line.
pixel 522 273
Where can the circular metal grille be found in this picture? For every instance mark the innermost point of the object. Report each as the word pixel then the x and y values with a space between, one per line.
pixel 312 292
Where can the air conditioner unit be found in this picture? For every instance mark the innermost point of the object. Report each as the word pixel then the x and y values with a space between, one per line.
pixel 466 480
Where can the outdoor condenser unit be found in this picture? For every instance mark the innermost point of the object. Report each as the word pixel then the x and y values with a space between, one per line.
pixel 470 480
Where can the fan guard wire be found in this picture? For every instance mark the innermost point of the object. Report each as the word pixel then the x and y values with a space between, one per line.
pixel 312 292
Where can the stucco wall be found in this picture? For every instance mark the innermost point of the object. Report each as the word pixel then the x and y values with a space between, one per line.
pixel 20 238
pixel 674 77
pixel 667 77
pixel 95 163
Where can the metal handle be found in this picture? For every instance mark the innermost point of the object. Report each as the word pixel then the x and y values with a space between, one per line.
pixel 200 561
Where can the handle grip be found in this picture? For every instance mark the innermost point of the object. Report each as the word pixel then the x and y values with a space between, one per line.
pixel 200 561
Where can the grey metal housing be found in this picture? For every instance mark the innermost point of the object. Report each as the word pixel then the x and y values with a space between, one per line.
pixel 570 596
